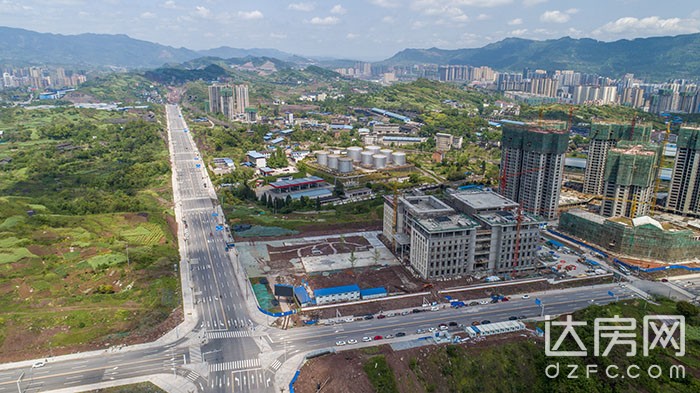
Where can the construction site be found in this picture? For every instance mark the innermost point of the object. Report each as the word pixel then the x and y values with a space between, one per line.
pixel 641 237
pixel 631 213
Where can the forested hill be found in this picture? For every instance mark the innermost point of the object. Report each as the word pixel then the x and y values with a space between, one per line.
pixel 656 58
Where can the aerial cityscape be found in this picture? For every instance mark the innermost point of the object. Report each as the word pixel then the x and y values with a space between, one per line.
pixel 372 196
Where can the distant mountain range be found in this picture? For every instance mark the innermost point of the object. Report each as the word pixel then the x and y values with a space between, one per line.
pixel 654 58
pixel 25 47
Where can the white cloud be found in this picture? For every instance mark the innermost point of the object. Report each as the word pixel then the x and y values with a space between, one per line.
pixel 278 36
pixel 483 17
pixel 147 15
pixel 388 19
pixel 518 32
pixel 418 24
pixel 250 15
pixel 574 32
pixel 652 25
pixel 555 17
pixel 572 11
pixel 351 36
pixel 444 9
pixel 169 4
pixel 515 22
pixel 530 3
pixel 424 4
pixel 305 7
pixel 338 10
pixel 327 21
pixel 202 11
pixel 385 3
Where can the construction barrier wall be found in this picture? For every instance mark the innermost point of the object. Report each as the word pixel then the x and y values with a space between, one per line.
pixel 276 314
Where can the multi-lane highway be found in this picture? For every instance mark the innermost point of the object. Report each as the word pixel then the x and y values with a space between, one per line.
pixel 220 348
pixel 228 347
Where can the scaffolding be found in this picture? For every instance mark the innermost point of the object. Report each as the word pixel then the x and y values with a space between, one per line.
pixel 640 238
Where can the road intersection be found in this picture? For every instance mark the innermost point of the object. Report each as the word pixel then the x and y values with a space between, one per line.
pixel 225 344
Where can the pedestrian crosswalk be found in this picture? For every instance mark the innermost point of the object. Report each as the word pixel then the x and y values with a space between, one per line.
pixel 276 365
pixel 196 354
pixel 227 334
pixel 235 365
pixel 192 376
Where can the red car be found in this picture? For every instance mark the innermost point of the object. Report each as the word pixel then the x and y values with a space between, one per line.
pixel 381 316
pixel 378 338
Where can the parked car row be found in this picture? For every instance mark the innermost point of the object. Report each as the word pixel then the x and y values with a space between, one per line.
pixel 367 339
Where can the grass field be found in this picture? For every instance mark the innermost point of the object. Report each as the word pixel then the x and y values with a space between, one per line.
pixel 68 219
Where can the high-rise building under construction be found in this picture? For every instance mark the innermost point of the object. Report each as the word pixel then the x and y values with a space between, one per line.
pixel 629 179
pixel 684 191
pixel 532 165
pixel 231 100
pixel 603 137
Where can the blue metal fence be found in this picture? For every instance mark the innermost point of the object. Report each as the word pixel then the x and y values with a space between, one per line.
pixel 277 314
pixel 291 384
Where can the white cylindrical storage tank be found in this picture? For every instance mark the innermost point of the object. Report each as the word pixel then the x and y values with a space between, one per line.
pixel 345 165
pixel 379 161
pixel 366 158
pixel 333 161
pixel 354 153
pixel 398 158
pixel 387 153
pixel 322 158
pixel 373 149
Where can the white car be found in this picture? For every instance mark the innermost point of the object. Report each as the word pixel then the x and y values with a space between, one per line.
pixel 38 364
pixel 432 329
pixel 526 296
pixel 352 341
pixel 483 302
pixel 366 339
pixel 340 343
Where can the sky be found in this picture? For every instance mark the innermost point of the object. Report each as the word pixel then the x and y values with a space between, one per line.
pixel 354 29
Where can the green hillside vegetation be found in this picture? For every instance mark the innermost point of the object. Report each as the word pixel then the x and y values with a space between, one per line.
pixel 421 96
pixel 87 249
pixel 127 88
pixel 176 76
pixel 587 113
pixel 657 58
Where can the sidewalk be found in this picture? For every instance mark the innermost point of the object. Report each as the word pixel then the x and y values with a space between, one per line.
pixel 286 372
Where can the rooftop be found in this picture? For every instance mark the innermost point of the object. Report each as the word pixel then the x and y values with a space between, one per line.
pixel 336 290
pixel 447 223
pixel 484 200
pixel 598 219
pixel 502 217
pixel 426 205
pixel 373 291
pixel 402 139
pixel 255 155
pixel 636 150
pixel 276 141
pixel 296 182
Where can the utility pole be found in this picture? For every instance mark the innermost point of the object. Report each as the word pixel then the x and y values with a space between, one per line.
pixel 128 262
